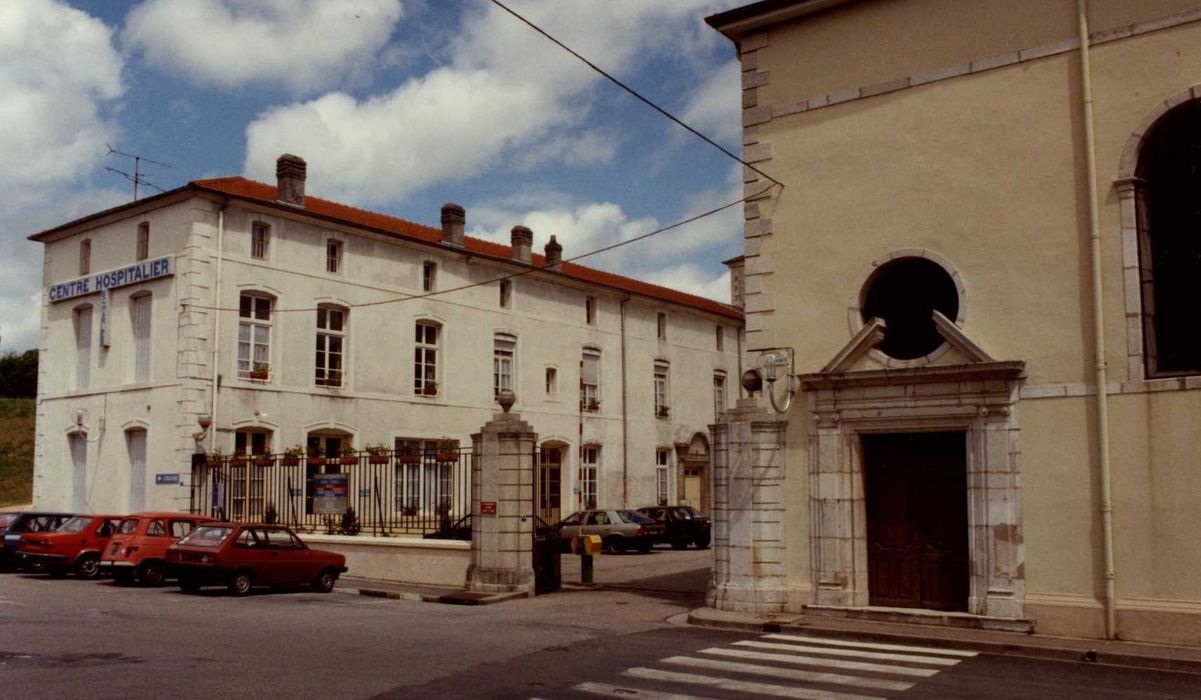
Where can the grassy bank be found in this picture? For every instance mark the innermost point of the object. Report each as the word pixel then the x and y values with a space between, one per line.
pixel 16 450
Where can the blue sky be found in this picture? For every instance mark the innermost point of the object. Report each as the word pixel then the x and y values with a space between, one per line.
pixel 397 105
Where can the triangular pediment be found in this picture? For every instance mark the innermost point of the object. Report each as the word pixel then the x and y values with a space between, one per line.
pixel 855 355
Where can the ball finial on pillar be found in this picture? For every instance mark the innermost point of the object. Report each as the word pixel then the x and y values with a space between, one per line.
pixel 506 398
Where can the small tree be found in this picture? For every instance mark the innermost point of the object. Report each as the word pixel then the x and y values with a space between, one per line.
pixel 270 516
pixel 350 523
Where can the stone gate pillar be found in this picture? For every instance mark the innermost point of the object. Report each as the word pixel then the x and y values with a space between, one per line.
pixel 502 505
pixel 749 572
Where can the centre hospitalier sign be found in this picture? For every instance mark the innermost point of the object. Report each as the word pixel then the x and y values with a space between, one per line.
pixel 121 277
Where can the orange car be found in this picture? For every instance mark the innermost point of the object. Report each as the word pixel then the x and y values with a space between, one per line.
pixel 138 550
pixel 77 544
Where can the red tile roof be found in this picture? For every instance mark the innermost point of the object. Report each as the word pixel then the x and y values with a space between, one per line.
pixel 259 192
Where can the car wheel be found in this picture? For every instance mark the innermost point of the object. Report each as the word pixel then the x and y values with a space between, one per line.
pixel 151 574
pixel 189 585
pixel 616 544
pixel 35 566
pixel 88 566
pixel 324 583
pixel 240 583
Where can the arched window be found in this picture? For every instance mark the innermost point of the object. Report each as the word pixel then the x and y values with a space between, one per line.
pixel 425 358
pixel 254 336
pixel 904 293
pixel 135 443
pixel 331 345
pixel 1169 177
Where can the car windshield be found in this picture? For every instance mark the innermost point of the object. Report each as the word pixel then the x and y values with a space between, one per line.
pixel 629 516
pixel 76 524
pixel 6 518
pixel 128 525
pixel 208 536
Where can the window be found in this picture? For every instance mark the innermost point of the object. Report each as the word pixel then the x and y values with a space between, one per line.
pixel 719 394
pixel 79 471
pixel 252 442
pixel 1166 195
pixel 135 442
pixel 590 310
pixel 588 474
pixel 260 236
pixel 429 276
pixel 662 457
pixel 904 293
pixel 503 347
pixel 156 528
pixel 721 337
pixel 85 256
pixel 333 256
pixel 140 316
pixel 143 250
pixel 424 486
pixel 254 337
pixel 506 293
pixel 661 323
pixel 83 347
pixel 425 359
pixel 552 383
pixel 331 345
pixel 662 405
pixel 590 381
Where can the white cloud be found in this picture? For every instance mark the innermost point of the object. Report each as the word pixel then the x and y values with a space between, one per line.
pixel 714 109
pixel 58 73
pixel 693 279
pixel 59 77
pixel 302 44
pixel 505 88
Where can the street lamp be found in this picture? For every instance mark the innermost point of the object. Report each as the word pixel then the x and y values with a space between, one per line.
pixel 772 362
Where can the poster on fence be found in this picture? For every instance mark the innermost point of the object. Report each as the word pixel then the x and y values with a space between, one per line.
pixel 329 493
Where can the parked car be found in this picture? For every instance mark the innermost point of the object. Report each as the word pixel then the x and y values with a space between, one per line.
pixel 683 525
pixel 461 530
pixel 76 545
pixel 243 555
pixel 619 529
pixel 137 551
pixel 16 524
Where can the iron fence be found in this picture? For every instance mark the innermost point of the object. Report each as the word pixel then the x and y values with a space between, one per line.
pixel 380 494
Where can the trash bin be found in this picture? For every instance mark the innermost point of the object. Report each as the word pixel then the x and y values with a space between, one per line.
pixel 548 574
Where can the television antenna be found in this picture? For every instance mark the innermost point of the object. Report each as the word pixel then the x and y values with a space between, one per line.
pixel 137 177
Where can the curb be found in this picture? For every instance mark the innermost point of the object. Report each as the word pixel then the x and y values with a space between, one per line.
pixel 1079 652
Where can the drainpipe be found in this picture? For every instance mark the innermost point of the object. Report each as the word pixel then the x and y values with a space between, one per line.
pixel 625 415
pixel 1102 425
pixel 217 324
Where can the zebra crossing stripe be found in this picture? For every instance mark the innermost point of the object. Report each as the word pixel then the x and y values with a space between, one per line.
pixel 828 663
pixel 835 651
pixel 791 674
pixel 752 687
pixel 636 693
pixel 869 645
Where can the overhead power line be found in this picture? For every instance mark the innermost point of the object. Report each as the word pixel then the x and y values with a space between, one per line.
pixel 637 95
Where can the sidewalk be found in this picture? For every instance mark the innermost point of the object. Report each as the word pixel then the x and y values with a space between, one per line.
pixel 1150 656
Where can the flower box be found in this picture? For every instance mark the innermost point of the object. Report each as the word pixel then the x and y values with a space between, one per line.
pixel 409 459
pixel 317 461
pixel 377 459
pixel 264 461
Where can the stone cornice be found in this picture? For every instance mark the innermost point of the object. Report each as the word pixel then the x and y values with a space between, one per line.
pixel 1008 370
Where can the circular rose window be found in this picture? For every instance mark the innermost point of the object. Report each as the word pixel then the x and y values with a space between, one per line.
pixel 904 293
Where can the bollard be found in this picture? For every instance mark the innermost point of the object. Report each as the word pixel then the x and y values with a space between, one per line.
pixel 586 568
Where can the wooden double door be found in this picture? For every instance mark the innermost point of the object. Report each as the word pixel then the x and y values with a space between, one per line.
pixel 915 487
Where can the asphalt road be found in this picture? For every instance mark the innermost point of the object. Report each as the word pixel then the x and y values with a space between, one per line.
pixel 79 639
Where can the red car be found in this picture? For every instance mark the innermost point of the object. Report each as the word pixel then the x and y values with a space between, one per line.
pixel 243 555
pixel 77 544
pixel 138 550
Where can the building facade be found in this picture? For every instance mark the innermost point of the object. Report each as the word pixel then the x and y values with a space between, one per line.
pixel 245 318
pixel 975 278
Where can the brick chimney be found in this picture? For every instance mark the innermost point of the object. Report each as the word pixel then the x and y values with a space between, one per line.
pixel 454 218
pixel 737 280
pixel 523 241
pixel 290 174
pixel 554 254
